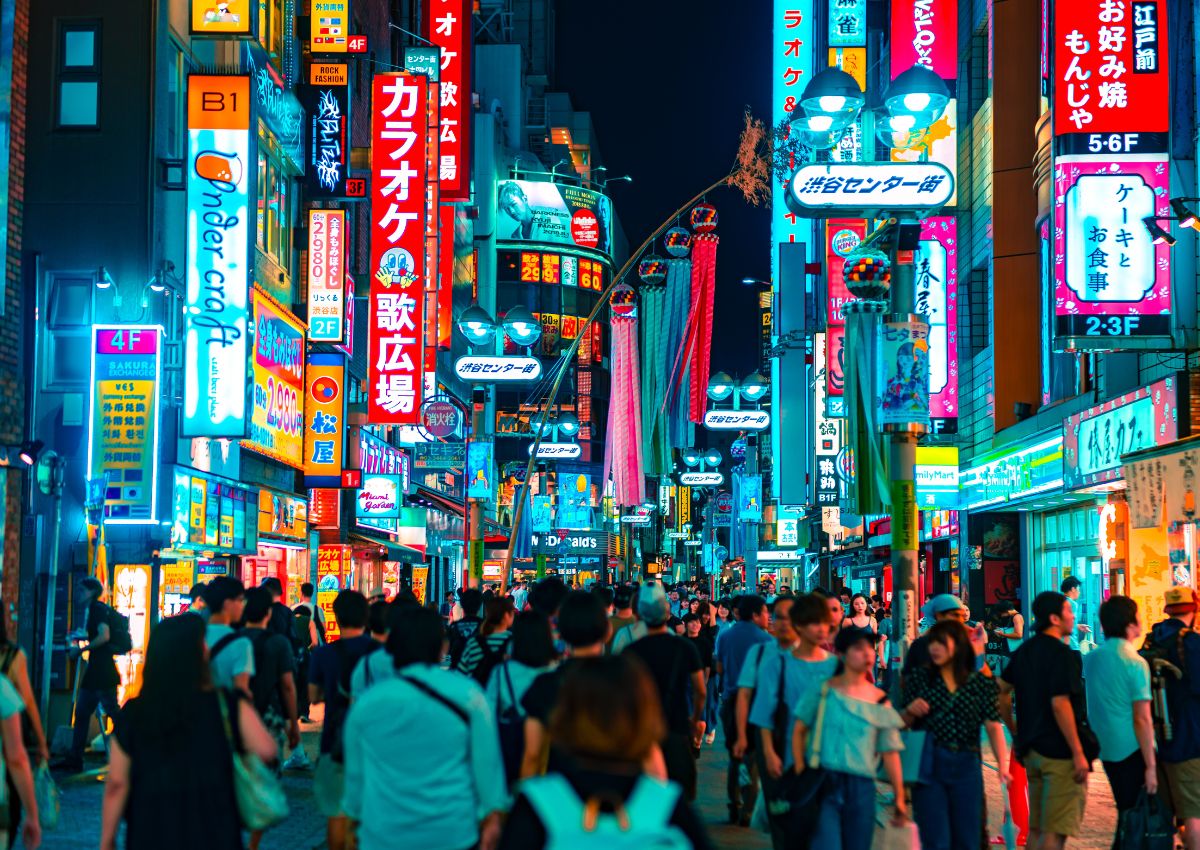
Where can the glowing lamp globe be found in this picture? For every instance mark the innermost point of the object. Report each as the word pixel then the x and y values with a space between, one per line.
pixel 677 241
pixel 704 218
pixel 652 270
pixel 868 274
pixel 623 302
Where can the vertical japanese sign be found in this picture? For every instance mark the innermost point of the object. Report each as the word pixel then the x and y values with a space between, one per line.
pixel 791 69
pixel 123 434
pixel 277 423
pixel 1112 284
pixel 218 257
pixel 325 426
pixel 449 27
pixel 396 314
pixel 333 564
pixel 848 23
pixel 925 32
pixel 432 220
pixel 326 102
pixel 827 440
pixel 326 275
pixel 842 235
pixel 330 25
pixel 936 280
pixel 445 312
pixel 903 372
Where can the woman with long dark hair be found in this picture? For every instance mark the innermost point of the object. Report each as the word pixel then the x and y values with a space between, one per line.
pixel 951 700
pixel 170 770
pixel 492 639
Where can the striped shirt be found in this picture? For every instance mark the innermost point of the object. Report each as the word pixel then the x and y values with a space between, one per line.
pixel 473 654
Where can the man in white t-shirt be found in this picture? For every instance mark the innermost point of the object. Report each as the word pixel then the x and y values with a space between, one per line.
pixel 230 655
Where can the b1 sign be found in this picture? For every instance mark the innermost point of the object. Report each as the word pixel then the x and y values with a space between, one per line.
pixel 1112 283
pixel 848 187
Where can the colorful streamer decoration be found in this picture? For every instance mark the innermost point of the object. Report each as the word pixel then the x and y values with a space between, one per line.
pixel 652 270
pixel 623 449
pixel 704 218
pixel 698 342
pixel 677 241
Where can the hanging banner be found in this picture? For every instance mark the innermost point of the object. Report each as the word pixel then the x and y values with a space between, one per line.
pixel 334 566
pixel 326 102
pixel 277 422
pixel 420 581
pixel 396 317
pixel 324 406
pixel 842 235
pixel 925 33
pixel 123 433
pixel 216 304
pixel 326 275
pixel 750 498
pixel 904 374
pixel 1112 283
pixel 330 26
pixel 448 26
pixel 936 281
pixel 479 470
pixel 827 443
pixel 542 514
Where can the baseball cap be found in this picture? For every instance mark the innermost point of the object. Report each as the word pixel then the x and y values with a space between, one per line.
pixel 1181 599
pixel 942 603
pixel 652 606
pixel 847 638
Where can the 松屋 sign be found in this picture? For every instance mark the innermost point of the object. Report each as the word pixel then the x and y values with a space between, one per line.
pixel 737 420
pixel 326 275
pixel 448 26
pixel 487 369
pixel 1095 439
pixel 123 433
pixel 858 187
pixel 702 479
pixel 1112 284
pixel 557 451
pixel 324 412
pixel 218 257
pixel 396 314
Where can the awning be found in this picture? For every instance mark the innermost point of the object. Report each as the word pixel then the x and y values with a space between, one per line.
pixel 395 551
pixel 427 497
pixel 1162 483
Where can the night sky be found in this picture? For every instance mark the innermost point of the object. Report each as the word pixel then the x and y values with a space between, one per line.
pixel 667 84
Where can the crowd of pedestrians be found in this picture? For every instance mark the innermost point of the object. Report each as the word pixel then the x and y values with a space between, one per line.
pixel 537 717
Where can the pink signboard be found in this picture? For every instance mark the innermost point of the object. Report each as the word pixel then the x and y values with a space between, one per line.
pixel 1112 284
pixel 936 280
pixel 925 32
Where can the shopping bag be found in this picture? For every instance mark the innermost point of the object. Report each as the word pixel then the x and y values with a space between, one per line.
pixel 46 793
pixel 888 836
pixel 1147 826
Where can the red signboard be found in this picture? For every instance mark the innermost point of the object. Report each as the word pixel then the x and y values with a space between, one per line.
pixel 925 32
pixel 396 308
pixel 432 197
pixel 445 268
pixel 448 26
pixel 1110 71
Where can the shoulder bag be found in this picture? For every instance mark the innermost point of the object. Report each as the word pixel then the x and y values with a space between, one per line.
pixel 261 800
pixel 797 793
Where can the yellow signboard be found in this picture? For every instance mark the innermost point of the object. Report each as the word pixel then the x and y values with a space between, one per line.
pixel 420 577
pixel 224 18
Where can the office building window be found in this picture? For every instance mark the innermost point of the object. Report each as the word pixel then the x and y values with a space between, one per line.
pixel 78 83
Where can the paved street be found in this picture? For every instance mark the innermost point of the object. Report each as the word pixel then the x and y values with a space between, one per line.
pixel 80 823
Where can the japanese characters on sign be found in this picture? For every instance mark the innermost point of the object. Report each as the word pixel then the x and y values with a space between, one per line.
pixel 330 26
pixel 850 187
pixel 449 27
pixel 334 565
pixel 936 281
pixel 1110 76
pixel 841 237
pixel 847 23
pixel 123 437
pixel 375 457
pixel 1012 474
pixel 218 257
pixel 936 475
pixel 556 451
pixel 396 313
pixel 1112 283
pixel 324 409
pixel 737 420
pixel 1095 440
pixel 210 513
pixel 792 46
pixel 277 422
pixel 827 433
pixel 326 275
pixel 903 373
pixel 925 32
pixel 326 103
pixel 486 368
pixel 702 479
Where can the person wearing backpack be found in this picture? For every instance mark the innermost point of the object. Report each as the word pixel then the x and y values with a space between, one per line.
pixel 487 647
pixel 532 654
pixel 329 682
pixel 98 686
pixel 423 765
pixel 471 600
pixel 230 655
pixel 607 723
pixel 308 632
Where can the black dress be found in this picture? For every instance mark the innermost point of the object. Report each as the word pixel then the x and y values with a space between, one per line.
pixel 181 787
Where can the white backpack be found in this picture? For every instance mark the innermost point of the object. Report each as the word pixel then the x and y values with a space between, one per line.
pixel 642 823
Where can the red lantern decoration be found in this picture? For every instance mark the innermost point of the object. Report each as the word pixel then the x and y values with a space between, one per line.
pixel 704 218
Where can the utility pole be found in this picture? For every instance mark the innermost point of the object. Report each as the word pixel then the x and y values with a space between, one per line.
pixel 54 488
pixel 474 565
pixel 750 536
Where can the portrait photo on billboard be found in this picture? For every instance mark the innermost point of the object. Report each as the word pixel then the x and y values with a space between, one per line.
pixel 553 213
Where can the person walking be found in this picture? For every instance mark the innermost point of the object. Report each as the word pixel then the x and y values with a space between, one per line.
pixel 673 664
pixel 98 685
pixel 608 723
pixel 710 631
pixel 446 609
pixel 1117 683
pixel 693 632
pixel 848 726
pixel 465 627
pixel 442 789
pixel 860 613
pixel 230 654
pixel 308 632
pixel 1050 731
pixel 952 701
pixel 14 666
pixel 1177 641
pixel 22 808
pixel 1071 587
pixel 622 615
pixel 532 655
pixel 784 678
pixel 171 762
pixel 489 645
pixel 734 647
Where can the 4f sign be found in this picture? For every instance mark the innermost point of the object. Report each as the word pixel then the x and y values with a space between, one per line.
pixel 859 187
pixel 702 479
pixel 737 420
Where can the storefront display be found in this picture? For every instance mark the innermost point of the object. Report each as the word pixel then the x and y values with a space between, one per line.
pixel 1066 543
pixel 213 514
pixel 282 544
pixel 131 598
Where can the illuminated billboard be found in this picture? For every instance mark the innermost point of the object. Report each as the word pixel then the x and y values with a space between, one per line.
pixel 326 275
pixel 277 422
pixel 218 257
pixel 925 32
pixel 326 102
pixel 448 26
pixel 792 40
pixel 554 213
pixel 936 281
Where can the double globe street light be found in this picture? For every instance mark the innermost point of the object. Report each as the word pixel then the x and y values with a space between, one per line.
pixel 518 324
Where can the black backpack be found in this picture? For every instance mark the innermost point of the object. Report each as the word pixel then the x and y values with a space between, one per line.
pixel 460 634
pixel 262 689
pixel 120 640
pixel 489 660
pixel 301 635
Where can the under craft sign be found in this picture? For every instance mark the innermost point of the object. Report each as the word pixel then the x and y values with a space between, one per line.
pixel 842 187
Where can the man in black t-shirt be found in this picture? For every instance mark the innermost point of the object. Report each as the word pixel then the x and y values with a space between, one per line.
pixel 98 685
pixel 673 662
pixel 1050 733
pixel 274 681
